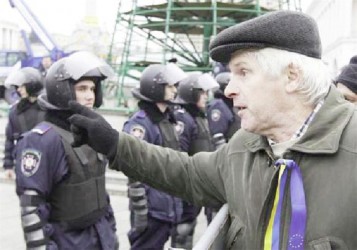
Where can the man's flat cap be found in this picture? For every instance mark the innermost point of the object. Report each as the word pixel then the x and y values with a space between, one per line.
pixel 287 30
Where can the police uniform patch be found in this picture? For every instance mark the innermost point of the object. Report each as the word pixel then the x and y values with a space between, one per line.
pixel 137 131
pixel 179 127
pixel 215 115
pixel 30 161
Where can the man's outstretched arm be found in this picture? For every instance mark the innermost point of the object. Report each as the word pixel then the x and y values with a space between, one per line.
pixel 196 179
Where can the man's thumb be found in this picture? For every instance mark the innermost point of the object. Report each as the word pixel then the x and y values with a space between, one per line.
pixel 80 109
pixel 79 121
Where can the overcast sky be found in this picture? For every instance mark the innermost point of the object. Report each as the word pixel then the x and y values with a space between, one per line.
pixel 61 16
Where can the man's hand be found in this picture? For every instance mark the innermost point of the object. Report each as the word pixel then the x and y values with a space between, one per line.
pixel 90 128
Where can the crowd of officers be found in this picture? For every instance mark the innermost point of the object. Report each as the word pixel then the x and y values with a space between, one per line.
pixel 64 204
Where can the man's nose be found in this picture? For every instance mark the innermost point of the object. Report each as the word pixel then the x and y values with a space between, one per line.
pixel 230 91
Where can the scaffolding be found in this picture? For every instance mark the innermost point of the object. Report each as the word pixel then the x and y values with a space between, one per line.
pixel 148 32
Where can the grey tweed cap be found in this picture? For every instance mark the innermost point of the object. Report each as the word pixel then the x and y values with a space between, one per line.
pixel 287 30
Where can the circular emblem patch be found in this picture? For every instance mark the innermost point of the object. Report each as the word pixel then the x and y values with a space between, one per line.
pixel 296 241
pixel 137 131
pixel 30 161
pixel 180 126
pixel 215 115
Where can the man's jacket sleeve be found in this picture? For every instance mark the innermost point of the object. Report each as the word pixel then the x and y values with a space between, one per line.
pixel 196 179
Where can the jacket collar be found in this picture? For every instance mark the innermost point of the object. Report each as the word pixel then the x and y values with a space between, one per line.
pixel 323 134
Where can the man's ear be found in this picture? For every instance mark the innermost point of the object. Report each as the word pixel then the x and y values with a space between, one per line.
pixel 293 75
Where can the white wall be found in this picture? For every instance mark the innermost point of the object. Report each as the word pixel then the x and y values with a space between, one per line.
pixel 9 36
pixel 337 21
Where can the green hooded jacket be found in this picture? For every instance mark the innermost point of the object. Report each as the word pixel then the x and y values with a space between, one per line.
pixel 242 174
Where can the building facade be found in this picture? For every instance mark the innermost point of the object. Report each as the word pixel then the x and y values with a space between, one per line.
pixel 337 21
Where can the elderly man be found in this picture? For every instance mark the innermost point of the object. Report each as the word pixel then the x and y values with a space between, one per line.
pixel 289 174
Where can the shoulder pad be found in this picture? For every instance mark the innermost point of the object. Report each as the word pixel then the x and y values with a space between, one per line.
pixel 141 114
pixel 41 128
pixel 182 111
pixel 13 105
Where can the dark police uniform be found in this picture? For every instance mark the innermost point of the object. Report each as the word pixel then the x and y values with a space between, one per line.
pixel 23 116
pixel 26 112
pixel 61 188
pixel 221 117
pixel 153 213
pixel 192 127
pixel 63 200
pixel 195 137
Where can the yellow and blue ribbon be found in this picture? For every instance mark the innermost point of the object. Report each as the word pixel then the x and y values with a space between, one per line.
pixel 297 227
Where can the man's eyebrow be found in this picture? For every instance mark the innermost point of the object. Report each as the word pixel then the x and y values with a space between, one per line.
pixel 237 64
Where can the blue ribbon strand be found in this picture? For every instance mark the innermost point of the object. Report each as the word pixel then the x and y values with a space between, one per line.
pixel 297 227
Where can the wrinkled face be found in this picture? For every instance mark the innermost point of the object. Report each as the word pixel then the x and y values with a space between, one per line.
pixel 202 100
pixel 22 91
pixel 257 96
pixel 347 93
pixel 170 92
pixel 85 93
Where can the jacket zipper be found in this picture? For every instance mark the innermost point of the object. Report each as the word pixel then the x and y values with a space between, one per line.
pixel 268 203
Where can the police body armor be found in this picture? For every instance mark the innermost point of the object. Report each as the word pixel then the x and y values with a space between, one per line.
pixel 27 120
pixel 203 142
pixel 234 126
pixel 81 199
pixel 169 135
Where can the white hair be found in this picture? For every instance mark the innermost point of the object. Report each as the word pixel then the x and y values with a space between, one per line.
pixel 315 80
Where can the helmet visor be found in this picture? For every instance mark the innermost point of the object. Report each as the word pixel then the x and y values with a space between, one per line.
pixel 16 78
pixel 206 82
pixel 83 62
pixel 172 74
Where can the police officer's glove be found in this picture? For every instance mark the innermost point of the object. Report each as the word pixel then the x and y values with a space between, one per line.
pixel 90 128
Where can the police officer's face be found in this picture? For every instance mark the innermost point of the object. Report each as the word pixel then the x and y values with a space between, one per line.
pixel 22 91
pixel 85 94
pixel 257 96
pixel 347 93
pixel 46 62
pixel 170 92
pixel 202 100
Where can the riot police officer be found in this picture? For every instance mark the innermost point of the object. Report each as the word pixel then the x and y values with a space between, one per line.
pixel 154 213
pixel 24 114
pixel 222 119
pixel 64 204
pixel 192 127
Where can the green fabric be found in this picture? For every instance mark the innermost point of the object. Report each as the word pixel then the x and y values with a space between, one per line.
pixel 242 174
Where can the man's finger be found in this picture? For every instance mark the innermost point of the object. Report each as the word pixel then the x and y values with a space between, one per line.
pixel 79 120
pixel 79 136
pixel 80 109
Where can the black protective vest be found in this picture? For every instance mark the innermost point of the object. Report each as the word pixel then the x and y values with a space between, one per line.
pixel 27 120
pixel 80 199
pixel 169 136
pixel 203 142
pixel 233 127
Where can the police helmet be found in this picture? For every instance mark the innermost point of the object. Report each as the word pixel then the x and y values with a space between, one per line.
pixel 153 81
pixel 29 77
pixel 66 72
pixel 223 79
pixel 219 68
pixel 189 89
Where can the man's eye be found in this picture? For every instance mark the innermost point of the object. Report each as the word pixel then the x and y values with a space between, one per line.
pixel 243 72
